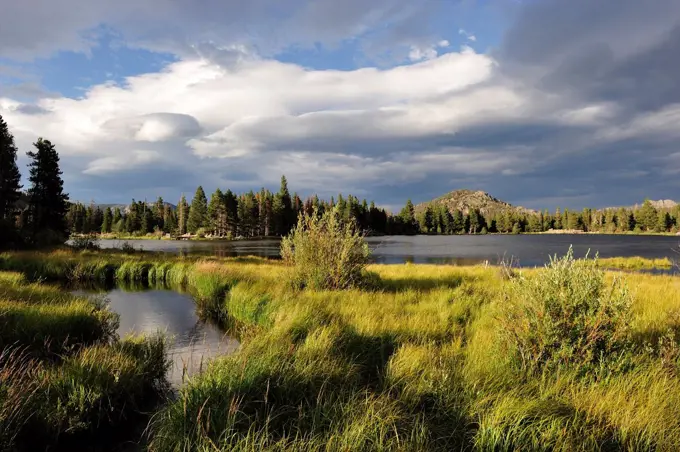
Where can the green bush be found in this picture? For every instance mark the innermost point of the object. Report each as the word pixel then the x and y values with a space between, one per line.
pixel 567 315
pixel 89 242
pixel 326 252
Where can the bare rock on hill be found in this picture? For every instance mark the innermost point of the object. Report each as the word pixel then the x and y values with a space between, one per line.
pixel 466 200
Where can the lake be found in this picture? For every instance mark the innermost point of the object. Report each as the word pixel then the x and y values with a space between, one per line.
pixel 526 250
pixel 192 341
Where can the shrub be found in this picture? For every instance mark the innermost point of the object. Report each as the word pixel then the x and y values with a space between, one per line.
pixel 567 315
pixel 326 252
pixel 127 248
pixel 88 242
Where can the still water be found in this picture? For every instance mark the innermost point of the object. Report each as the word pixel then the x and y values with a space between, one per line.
pixel 192 341
pixel 526 250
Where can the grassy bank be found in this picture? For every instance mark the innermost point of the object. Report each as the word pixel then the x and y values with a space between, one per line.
pixel 427 358
pixel 65 377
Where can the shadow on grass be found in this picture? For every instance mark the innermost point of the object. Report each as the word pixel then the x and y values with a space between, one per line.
pixel 424 284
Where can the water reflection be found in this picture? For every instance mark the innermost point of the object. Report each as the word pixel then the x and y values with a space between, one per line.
pixel 193 341
pixel 524 250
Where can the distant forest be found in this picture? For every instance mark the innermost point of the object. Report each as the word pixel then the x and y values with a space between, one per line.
pixel 264 213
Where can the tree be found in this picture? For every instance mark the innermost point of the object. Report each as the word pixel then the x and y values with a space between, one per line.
pixel 664 222
pixel 182 215
pixel 48 204
pixel 217 214
pixel 118 221
pixel 169 219
pixel 107 223
pixel 408 217
pixel 159 214
pixel 647 216
pixel 198 214
pixel 287 214
pixel 9 173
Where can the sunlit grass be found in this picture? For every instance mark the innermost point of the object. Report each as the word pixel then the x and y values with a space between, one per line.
pixel 420 360
pixel 63 370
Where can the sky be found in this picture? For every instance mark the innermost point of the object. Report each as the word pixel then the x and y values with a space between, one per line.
pixel 541 103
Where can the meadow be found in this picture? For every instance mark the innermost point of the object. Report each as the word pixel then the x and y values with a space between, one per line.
pixel 569 358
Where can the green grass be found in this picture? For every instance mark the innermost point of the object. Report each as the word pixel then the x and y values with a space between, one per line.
pixel 425 359
pixel 635 263
pixel 64 374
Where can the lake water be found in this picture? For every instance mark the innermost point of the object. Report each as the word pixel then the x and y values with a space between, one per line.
pixel 192 341
pixel 526 250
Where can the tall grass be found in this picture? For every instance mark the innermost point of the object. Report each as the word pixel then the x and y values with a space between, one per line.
pixel 568 357
pixel 63 370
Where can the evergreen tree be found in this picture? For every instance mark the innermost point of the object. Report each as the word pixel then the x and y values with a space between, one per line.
pixel 9 174
pixel 169 220
pixel 217 214
pixel 663 222
pixel 118 224
pixel 48 203
pixel 408 218
pixel 287 214
pixel 231 205
pixel 97 219
pixel 182 215
pixel 198 214
pixel 159 214
pixel 107 222
pixel 147 220
pixel 647 216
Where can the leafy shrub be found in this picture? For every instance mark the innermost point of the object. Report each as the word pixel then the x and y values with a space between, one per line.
pixel 326 252
pixel 128 248
pixel 88 242
pixel 567 315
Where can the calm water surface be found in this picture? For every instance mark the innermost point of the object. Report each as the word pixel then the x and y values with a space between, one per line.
pixel 526 250
pixel 192 341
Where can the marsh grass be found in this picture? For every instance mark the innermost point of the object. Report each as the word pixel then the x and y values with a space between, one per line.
pixel 64 373
pixel 568 358
pixel 635 263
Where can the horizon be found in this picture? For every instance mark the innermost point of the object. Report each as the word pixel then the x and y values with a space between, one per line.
pixel 541 104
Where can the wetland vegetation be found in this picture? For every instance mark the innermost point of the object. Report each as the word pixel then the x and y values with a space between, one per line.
pixel 424 357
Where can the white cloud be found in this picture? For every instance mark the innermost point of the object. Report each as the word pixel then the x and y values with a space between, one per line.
pixel 122 162
pixel 468 36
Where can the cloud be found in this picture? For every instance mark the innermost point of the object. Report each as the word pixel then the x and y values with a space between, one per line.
pixel 178 25
pixel 578 105
pixel 468 36
pixel 122 162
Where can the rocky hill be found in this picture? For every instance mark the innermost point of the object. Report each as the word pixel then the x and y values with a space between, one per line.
pixel 465 200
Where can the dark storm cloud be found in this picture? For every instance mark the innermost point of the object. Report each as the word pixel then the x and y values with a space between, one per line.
pixel 623 51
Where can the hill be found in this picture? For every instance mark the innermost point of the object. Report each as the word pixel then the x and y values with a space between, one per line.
pixel 466 200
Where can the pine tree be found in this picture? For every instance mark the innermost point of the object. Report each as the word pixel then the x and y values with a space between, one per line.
pixel 48 204
pixel 198 213
pixel 118 222
pixel 217 214
pixel 408 217
pixel 9 174
pixel 159 214
pixel 287 214
pixel 647 216
pixel 107 221
pixel 182 215
pixel 169 219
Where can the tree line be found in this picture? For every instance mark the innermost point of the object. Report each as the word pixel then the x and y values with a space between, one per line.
pixel 38 216
pixel 226 214
pixel 437 219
